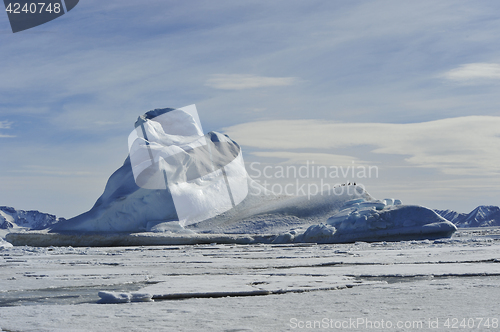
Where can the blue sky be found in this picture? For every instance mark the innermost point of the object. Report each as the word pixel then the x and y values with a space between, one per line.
pixel 411 87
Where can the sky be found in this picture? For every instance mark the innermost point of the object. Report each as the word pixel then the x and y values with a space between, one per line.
pixel 411 88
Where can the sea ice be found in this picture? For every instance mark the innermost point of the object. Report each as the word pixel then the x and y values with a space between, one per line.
pixel 260 287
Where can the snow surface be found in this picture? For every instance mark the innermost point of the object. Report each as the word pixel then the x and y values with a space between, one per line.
pixel 3 243
pixel 259 287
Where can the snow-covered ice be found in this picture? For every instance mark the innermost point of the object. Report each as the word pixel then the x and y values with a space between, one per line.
pixel 259 287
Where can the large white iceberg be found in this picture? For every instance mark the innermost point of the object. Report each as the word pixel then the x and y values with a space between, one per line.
pixel 173 174
pixel 139 207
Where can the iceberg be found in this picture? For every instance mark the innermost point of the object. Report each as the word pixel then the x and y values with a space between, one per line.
pixel 391 223
pixel 180 186
pixel 173 174
pixel 271 220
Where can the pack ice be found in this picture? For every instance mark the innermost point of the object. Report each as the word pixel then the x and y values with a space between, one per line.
pixel 132 214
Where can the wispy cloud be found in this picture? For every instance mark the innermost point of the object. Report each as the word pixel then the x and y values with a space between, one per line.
pixel 304 157
pixel 51 171
pixel 473 72
pixel 5 125
pixel 241 82
pixel 465 145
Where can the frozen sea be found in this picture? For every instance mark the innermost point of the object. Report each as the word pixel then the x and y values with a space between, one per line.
pixel 438 285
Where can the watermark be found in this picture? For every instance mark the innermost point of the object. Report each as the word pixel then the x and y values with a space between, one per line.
pixel 310 179
pixel 360 323
pixel 26 14
pixel 205 174
pixel 312 171
pixel 309 190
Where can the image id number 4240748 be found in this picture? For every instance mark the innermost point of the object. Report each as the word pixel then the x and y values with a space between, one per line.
pixel 485 323
pixel 33 8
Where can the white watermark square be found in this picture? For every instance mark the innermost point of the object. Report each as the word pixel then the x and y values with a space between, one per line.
pixel 205 174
